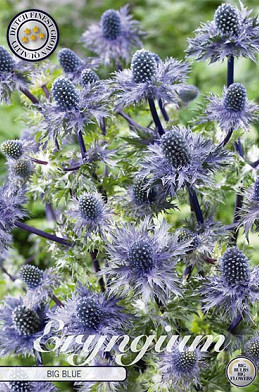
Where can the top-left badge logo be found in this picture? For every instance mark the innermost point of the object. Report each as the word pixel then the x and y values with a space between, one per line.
pixel 33 35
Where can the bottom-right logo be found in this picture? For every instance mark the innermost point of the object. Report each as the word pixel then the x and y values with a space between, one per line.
pixel 241 371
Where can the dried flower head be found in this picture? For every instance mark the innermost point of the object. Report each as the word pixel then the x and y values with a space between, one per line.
pixel 114 37
pixel 73 65
pixel 252 349
pixel 88 76
pixel 233 110
pixel 232 33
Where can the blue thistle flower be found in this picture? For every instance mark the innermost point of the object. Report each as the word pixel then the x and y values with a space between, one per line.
pixel 114 37
pixel 7 63
pixel 145 200
pixel 252 349
pixel 180 368
pixel 12 149
pixel 21 168
pixel 249 214
pixel 188 93
pixel 72 109
pixel 11 209
pixel 27 386
pixel 20 326
pixel 149 78
pixel 91 214
pixel 40 284
pixel 89 313
pixel 142 261
pixel 181 158
pixel 65 94
pixel 233 110
pixel 68 60
pixel 226 20
pixel 232 33
pixel 73 65
pixel 111 24
pixel 144 66
pixel 88 77
pixel 235 288
pixel 13 75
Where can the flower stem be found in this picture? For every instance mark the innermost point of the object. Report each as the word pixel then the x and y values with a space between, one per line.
pixel 255 164
pixel 41 233
pixel 235 323
pixel 97 267
pixel 187 272
pixel 103 126
pixel 131 122
pixel 57 301
pixel 81 143
pixel 227 138
pixel 13 278
pixel 45 90
pixel 230 72
pixel 29 95
pixel 195 205
pixel 39 161
pixel 163 110
pixel 155 116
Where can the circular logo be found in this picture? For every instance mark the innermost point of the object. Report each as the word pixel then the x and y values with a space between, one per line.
pixel 32 35
pixel 241 371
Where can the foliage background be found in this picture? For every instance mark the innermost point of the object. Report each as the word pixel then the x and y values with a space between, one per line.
pixel 168 23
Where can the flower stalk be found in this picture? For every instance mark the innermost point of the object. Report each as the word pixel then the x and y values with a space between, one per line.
pixel 43 234
pixel 155 116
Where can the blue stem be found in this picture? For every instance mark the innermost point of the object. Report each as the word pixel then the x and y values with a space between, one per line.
pixel 155 116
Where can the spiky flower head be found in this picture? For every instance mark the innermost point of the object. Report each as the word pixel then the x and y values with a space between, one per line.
pixel 88 312
pixel 11 209
pixel 25 320
pixel 40 284
pixel 175 149
pixel 235 267
pixel 252 349
pixel 233 110
pixel 90 212
pixel 180 367
pixel 249 214
pixel 227 20
pixel 65 94
pixel 141 193
pixel 179 158
pixel 111 24
pixel 90 207
pixel 144 66
pixel 7 62
pixel 149 77
pixel 13 75
pixel 68 60
pixel 188 93
pixel 31 275
pixel 234 289
pixel 20 326
pixel 22 168
pixel 20 386
pixel 192 238
pixel 12 149
pixel 233 32
pixel 114 37
pixel 88 77
pixel 142 261
pixel 28 386
pixel 256 190
pixel 235 98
